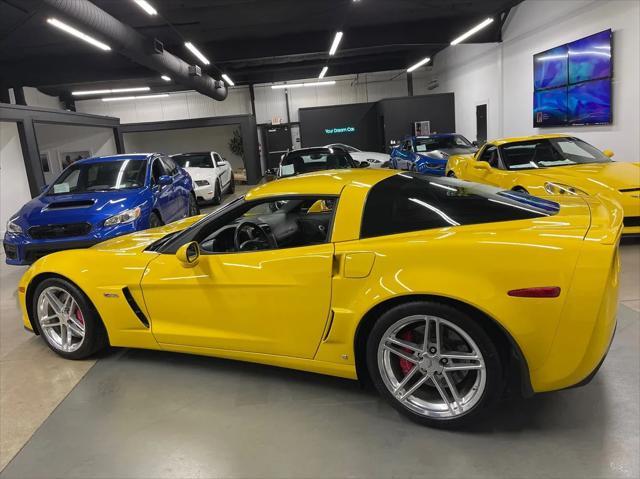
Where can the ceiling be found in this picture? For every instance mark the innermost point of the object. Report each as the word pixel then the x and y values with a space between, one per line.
pixel 253 41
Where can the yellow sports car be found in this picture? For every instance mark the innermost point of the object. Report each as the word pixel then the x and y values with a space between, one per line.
pixel 557 165
pixel 442 292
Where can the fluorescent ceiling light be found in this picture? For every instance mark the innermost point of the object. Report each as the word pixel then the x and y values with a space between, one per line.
pixel 475 29
pixel 146 7
pixel 418 65
pixel 320 83
pixel 197 53
pixel 323 72
pixel 78 34
pixel 143 97
pixel 106 92
pixel 166 78
pixel 336 42
pixel 298 85
pixel 226 78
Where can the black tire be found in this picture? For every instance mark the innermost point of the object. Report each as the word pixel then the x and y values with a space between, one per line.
pixel 217 196
pixel 194 209
pixel 154 220
pixel 95 335
pixel 493 385
pixel 232 185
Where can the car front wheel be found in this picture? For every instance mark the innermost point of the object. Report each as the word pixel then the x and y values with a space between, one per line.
pixel 193 206
pixel 434 364
pixel 66 319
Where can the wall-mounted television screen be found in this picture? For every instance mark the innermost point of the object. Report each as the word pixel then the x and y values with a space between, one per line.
pixel 550 107
pixel 572 83
pixel 589 103
pixel 550 68
pixel 590 58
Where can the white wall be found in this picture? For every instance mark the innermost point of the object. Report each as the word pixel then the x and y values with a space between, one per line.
pixel 14 186
pixel 210 138
pixel 502 74
pixel 56 140
pixel 34 97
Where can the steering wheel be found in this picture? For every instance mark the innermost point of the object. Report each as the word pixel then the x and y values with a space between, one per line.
pixel 250 236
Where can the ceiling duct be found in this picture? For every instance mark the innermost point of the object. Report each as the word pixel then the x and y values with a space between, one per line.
pixel 135 46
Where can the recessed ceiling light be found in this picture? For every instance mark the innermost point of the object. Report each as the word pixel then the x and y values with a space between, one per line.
pixel 197 53
pixel 78 34
pixel 226 78
pixel 165 78
pixel 142 97
pixel 475 29
pixel 418 65
pixel 323 72
pixel 146 7
pixel 116 90
pixel 336 42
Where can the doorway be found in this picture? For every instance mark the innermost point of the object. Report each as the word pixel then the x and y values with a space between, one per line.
pixel 278 142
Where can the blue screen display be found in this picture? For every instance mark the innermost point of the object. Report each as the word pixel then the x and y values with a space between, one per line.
pixel 550 107
pixel 589 103
pixel 550 68
pixel 590 58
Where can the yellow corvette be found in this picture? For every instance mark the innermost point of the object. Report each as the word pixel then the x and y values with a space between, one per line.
pixel 444 293
pixel 556 165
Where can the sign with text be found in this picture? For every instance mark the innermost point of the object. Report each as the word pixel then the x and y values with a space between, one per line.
pixel 336 131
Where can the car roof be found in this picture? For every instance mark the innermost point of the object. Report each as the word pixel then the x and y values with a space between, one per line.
pixel 439 135
pixel 314 149
pixel 125 156
pixel 502 141
pixel 326 182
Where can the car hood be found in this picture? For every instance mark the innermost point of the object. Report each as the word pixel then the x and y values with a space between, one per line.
pixel 140 240
pixel 200 173
pixel 595 176
pixel 444 153
pixel 369 155
pixel 76 208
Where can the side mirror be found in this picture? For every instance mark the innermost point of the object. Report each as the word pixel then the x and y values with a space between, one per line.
pixel 608 153
pixel 188 254
pixel 482 165
pixel 364 164
pixel 165 180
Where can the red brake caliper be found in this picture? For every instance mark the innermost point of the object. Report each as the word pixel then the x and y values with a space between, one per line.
pixel 79 316
pixel 405 365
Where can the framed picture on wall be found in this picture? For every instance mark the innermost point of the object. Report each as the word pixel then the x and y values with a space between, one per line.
pixel 70 157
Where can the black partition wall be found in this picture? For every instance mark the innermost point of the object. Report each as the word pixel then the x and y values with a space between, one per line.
pixel 370 126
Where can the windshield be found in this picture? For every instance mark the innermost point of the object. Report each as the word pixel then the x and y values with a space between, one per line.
pixel 349 149
pixel 304 162
pixel 102 176
pixel 194 161
pixel 548 152
pixel 442 143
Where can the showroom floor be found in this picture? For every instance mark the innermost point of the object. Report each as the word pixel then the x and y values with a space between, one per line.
pixel 137 413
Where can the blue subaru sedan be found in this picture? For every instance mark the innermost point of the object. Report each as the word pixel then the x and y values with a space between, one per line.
pixel 429 154
pixel 96 199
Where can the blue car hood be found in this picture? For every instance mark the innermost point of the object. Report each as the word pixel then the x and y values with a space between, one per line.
pixel 91 207
pixel 444 153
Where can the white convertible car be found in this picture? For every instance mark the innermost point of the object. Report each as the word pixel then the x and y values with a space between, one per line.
pixel 375 160
pixel 211 174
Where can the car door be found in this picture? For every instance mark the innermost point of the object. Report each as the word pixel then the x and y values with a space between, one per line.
pixel 180 189
pixel 274 301
pixel 493 175
pixel 163 194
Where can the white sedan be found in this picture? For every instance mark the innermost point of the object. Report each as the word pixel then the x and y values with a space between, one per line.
pixel 211 174
pixel 375 160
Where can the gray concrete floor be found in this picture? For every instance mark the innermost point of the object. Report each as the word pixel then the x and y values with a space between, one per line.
pixel 138 413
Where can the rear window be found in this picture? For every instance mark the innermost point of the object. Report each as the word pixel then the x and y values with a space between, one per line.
pixel 307 161
pixel 413 202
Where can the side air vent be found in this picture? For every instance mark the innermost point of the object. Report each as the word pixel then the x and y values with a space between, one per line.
pixel 134 307
pixel 61 205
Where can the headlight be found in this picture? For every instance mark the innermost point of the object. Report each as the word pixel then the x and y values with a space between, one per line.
pixel 13 227
pixel 202 183
pixel 126 216
pixel 560 189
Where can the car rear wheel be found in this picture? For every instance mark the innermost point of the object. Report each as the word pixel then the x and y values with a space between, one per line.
pixel 67 320
pixel 193 206
pixel 217 195
pixel 434 364
pixel 232 185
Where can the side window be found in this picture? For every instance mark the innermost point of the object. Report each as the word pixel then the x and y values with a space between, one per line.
pixel 490 155
pixel 170 166
pixel 157 170
pixel 217 159
pixel 407 146
pixel 287 223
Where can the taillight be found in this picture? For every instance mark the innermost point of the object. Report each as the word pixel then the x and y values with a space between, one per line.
pixel 537 292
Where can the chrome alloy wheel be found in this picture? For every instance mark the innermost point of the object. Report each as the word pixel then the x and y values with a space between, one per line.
pixel 432 366
pixel 61 319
